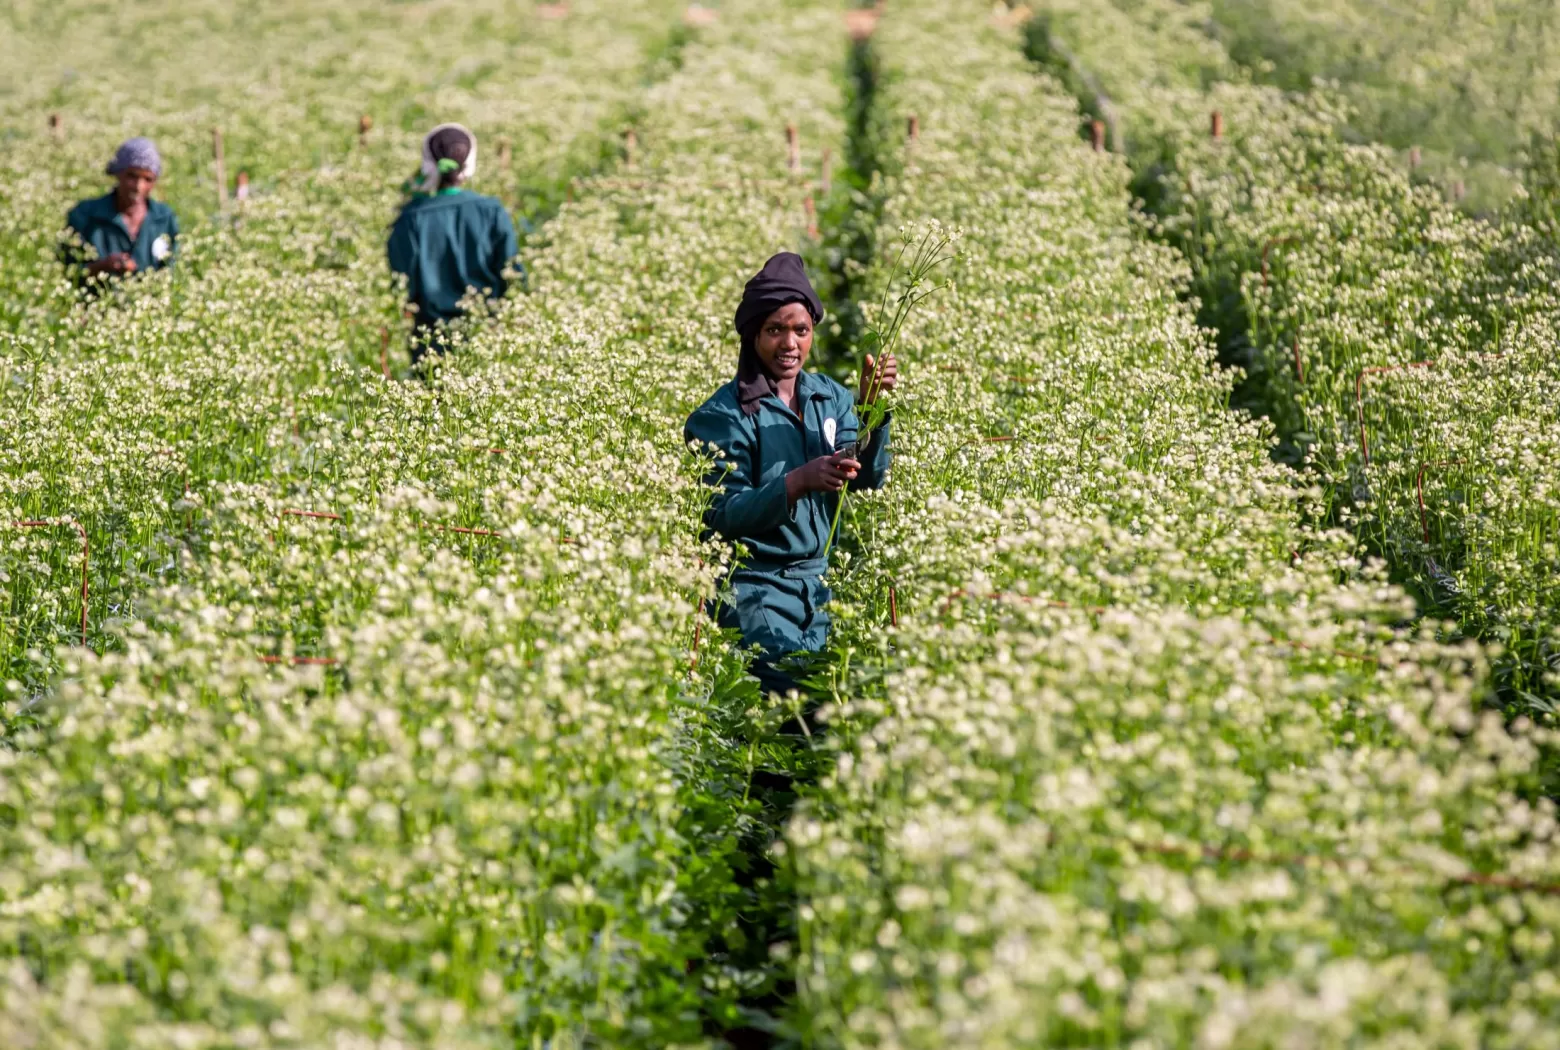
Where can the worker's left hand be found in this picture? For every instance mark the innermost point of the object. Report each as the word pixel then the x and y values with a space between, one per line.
pixel 887 377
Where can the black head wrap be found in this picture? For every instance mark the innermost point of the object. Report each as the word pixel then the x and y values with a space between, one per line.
pixel 450 144
pixel 782 281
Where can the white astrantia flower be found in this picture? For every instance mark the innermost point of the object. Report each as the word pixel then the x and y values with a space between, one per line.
pixel 498 783
pixel 1130 678
pixel 511 807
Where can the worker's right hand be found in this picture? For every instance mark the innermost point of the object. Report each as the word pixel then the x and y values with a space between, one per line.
pixel 119 262
pixel 824 474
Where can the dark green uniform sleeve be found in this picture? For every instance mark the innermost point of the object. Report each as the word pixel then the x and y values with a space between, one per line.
pixel 741 507
pixel 506 245
pixel 402 254
pixel 73 250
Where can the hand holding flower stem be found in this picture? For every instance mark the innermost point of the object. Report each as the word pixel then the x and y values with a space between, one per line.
pixel 880 372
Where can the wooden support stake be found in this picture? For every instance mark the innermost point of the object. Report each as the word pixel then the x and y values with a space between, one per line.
pixel 914 129
pixel 793 146
pixel 505 154
pixel 812 218
pixel 826 175
pixel 1216 125
pixel 216 153
pixel 630 147
pixel 1413 158
pixel 56 126
pixel 365 125
pixel 1097 135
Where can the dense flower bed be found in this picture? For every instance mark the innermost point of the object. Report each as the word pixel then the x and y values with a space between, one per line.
pixel 1405 347
pixel 1144 760
pixel 400 724
pixel 346 773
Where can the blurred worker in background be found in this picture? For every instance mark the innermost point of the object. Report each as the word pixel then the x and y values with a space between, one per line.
pixel 127 230
pixel 447 239
pixel 788 449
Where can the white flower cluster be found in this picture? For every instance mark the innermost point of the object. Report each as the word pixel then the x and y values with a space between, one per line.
pixel 345 775
pixel 1145 761
pixel 1406 345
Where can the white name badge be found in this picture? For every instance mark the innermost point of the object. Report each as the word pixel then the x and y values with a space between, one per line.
pixel 162 247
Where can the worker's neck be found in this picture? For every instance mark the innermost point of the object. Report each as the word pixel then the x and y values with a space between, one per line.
pixel 129 203
pixel 785 389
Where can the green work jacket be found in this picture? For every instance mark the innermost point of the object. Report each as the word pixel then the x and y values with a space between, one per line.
pixel 751 505
pixel 447 243
pixel 98 223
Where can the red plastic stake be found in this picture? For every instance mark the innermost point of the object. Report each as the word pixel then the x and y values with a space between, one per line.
pixel 1342 653
pixel 85 553
pixel 1050 603
pixel 460 529
pixel 893 606
pixel 1359 390
pixel 1359 397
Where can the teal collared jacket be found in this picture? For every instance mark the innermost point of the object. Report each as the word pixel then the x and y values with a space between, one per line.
pixel 778 595
pixel 447 243
pixel 98 223
pixel 751 505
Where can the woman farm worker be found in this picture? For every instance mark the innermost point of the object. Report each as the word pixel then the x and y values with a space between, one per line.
pixel 781 432
pixel 130 232
pixel 447 239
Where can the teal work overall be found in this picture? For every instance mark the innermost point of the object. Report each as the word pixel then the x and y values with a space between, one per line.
pixel 98 223
pixel 446 244
pixel 779 595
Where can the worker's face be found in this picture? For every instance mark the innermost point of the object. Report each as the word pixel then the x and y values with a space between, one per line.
pixel 784 341
pixel 135 186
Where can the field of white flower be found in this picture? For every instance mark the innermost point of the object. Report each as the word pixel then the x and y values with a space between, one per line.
pixel 475 797
pixel 1144 761
pixel 388 715
pixel 1407 346
pixel 1465 90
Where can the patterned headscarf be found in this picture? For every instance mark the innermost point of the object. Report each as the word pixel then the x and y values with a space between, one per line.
pixel 136 153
